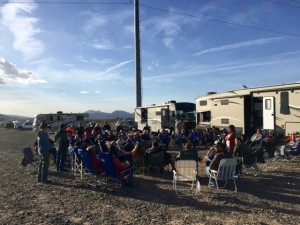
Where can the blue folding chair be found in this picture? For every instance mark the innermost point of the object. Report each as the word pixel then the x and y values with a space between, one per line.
pixel 29 158
pixel 113 176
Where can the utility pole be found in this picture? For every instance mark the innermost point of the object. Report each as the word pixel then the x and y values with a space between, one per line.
pixel 137 54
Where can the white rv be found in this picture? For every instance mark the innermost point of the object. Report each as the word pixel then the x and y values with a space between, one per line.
pixel 275 107
pixel 165 115
pixel 54 119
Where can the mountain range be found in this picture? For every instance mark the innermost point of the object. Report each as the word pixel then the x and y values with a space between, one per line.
pixel 115 114
pixel 93 114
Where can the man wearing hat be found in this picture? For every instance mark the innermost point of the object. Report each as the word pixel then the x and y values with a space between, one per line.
pixel 43 149
pixel 61 144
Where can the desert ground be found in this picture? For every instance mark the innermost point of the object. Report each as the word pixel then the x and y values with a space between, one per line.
pixel 272 197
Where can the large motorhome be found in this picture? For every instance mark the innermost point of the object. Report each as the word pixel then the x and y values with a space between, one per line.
pixel 165 115
pixel 54 119
pixel 275 107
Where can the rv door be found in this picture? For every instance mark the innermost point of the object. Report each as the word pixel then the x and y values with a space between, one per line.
pixel 165 117
pixel 268 113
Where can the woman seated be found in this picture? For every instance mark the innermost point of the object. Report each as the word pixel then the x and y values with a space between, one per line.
pixel 137 150
pixel 211 154
pixel 122 155
pixel 123 169
pixel 188 152
pixel 95 162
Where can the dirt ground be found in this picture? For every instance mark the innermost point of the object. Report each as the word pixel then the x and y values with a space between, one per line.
pixel 272 197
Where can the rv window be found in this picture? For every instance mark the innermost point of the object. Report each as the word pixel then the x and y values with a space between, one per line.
pixel 203 103
pixel 158 113
pixel 144 115
pixel 225 121
pixel 268 104
pixel 51 118
pixel 225 102
pixel 284 103
pixel 79 118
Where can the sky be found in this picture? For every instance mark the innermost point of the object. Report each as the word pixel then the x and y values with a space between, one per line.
pixel 79 55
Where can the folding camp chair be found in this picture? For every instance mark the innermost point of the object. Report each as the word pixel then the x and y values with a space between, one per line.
pixel 156 160
pixel 188 154
pixel 139 165
pixel 113 176
pixel 30 158
pixel 289 154
pixel 76 163
pixel 94 175
pixel 225 172
pixel 186 172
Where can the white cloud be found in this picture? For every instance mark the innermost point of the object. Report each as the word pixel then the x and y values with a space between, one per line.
pixel 112 68
pixel 102 46
pixel 239 45
pixel 228 67
pixel 10 73
pixel 94 21
pixel 93 60
pixel 17 18
pixel 84 92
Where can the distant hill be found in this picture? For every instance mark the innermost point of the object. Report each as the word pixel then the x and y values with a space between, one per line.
pixel 115 114
pixel 4 117
pixel 94 114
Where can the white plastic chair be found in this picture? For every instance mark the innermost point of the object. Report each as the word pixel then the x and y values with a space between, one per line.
pixel 225 172
pixel 186 172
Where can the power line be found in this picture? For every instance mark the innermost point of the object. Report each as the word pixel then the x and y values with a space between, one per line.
pixel 222 21
pixel 294 1
pixel 281 3
pixel 167 11
pixel 70 3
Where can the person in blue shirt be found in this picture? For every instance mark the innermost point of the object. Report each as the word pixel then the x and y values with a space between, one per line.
pixel 43 150
pixel 164 137
pixel 194 138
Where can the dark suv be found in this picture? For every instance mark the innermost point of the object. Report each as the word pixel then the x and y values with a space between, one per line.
pixel 9 125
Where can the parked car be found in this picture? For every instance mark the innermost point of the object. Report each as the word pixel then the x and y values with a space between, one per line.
pixel 9 125
pixel 24 126
pixel 127 125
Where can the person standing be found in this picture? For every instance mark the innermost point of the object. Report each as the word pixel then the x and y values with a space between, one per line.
pixel 61 144
pixel 79 130
pixel 179 126
pixel 43 150
pixel 230 139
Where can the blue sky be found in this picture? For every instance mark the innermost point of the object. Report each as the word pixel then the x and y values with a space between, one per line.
pixel 76 57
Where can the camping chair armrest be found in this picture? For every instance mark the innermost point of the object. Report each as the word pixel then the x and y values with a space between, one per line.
pixel 208 159
pixel 195 172
pixel 130 169
pixel 214 172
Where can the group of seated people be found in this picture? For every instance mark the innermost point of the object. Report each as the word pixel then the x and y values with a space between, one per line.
pixel 124 147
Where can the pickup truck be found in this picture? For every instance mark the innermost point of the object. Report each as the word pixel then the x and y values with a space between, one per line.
pixel 24 126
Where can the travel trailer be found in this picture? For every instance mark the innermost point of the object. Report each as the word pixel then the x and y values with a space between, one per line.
pixel 166 115
pixel 54 119
pixel 275 107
